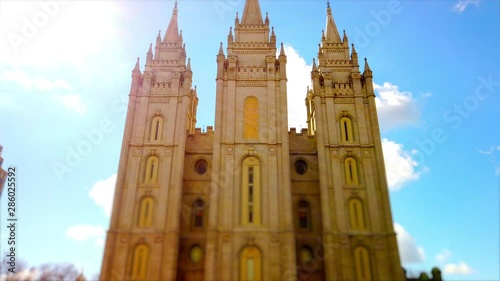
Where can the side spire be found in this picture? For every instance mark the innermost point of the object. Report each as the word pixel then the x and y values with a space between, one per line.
pixel 252 13
pixel 137 67
pixel 221 51
pixel 367 67
pixel 332 34
pixel 172 33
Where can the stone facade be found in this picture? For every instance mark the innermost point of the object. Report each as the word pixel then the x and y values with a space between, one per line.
pixel 251 200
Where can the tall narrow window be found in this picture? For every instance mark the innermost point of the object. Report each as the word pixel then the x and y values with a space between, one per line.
pixel 251 118
pixel 362 260
pixel 198 213
pixel 140 262
pixel 304 215
pixel 346 129
pixel 250 264
pixel 356 215
pixel 146 212
pixel 151 172
pixel 250 194
pixel 351 171
pixel 156 128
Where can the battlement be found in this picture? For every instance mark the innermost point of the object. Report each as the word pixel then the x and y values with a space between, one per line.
pixel 198 132
pixel 200 142
pixel 301 142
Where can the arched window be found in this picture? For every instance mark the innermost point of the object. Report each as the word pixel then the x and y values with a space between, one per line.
pixel 251 118
pixel 351 171
pixel 156 128
pixel 304 215
pixel 250 193
pixel 362 261
pixel 305 255
pixel 146 212
pixel 140 262
pixel 198 213
pixel 356 215
pixel 250 264
pixel 346 129
pixel 196 254
pixel 151 173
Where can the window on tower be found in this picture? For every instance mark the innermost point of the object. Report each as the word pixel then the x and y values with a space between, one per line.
pixel 156 128
pixel 362 261
pixel 146 212
pixel 196 254
pixel 346 130
pixel 198 213
pixel 151 171
pixel 304 215
pixel 351 171
pixel 305 255
pixel 356 214
pixel 250 193
pixel 251 118
pixel 140 262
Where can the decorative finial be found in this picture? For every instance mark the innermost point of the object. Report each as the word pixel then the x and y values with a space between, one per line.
pixel 327 3
pixel 221 51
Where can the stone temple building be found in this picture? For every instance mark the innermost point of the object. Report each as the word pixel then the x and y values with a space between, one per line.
pixel 249 199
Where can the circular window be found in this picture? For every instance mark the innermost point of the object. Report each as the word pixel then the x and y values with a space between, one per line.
pixel 195 254
pixel 300 167
pixel 201 166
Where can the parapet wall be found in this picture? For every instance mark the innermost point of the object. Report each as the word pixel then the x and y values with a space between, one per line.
pixel 200 142
pixel 301 142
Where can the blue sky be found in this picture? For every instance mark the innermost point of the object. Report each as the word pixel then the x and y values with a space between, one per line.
pixel 65 73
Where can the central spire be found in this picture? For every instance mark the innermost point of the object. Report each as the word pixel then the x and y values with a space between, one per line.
pixel 172 33
pixel 251 13
pixel 332 34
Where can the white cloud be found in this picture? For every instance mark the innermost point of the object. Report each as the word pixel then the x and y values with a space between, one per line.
pixel 409 251
pixel 400 166
pixel 461 5
pixel 24 80
pixel 85 232
pixel 51 32
pixel 299 77
pixel 395 108
pixel 102 193
pixel 74 102
pixel 460 268
pixel 444 255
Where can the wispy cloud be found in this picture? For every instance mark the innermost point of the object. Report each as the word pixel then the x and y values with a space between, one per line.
pixel 444 255
pixel 396 108
pixel 493 152
pixel 102 193
pixel 58 89
pixel 460 268
pixel 409 251
pixel 401 167
pixel 462 5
